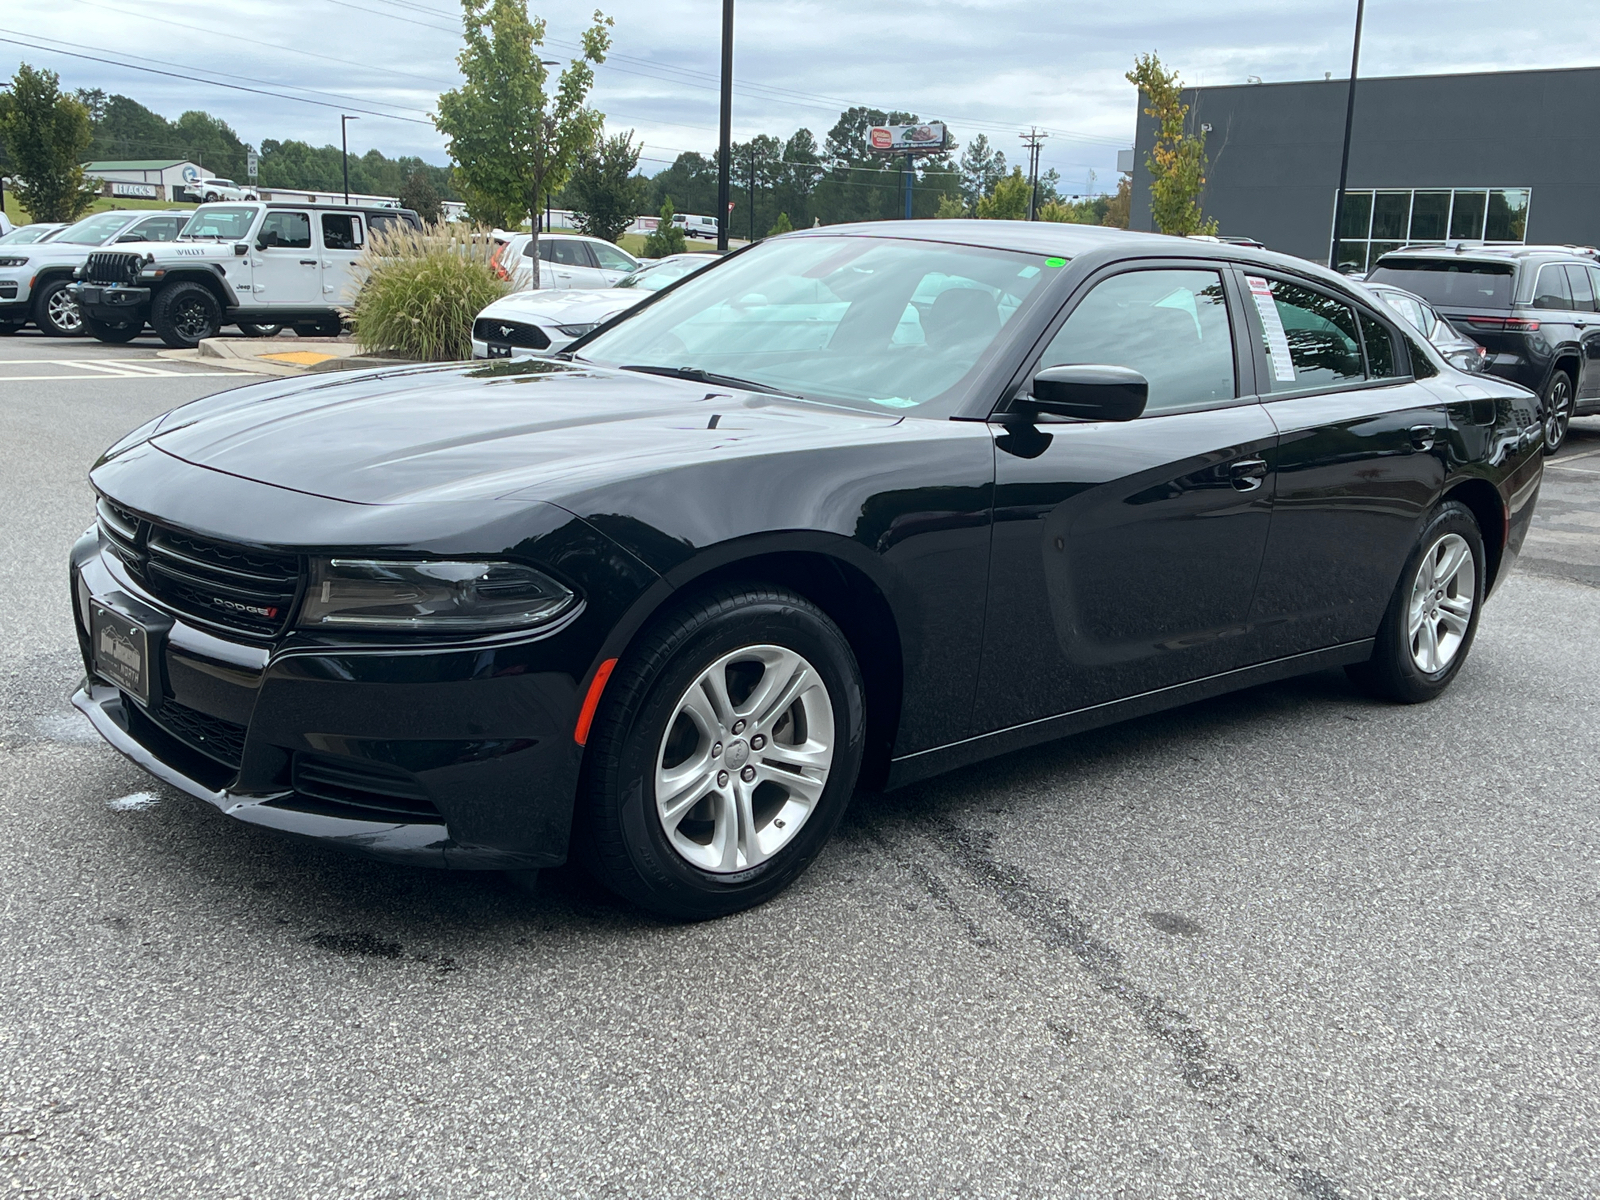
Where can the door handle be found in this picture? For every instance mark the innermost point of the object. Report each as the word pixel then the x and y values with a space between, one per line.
pixel 1422 436
pixel 1246 474
pixel 308 262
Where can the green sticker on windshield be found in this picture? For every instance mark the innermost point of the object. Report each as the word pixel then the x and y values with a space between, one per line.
pixel 1055 262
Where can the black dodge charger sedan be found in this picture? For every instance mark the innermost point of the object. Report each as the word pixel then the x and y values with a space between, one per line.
pixel 851 507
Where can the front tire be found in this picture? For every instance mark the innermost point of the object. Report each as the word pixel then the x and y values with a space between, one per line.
pixel 724 753
pixel 1428 628
pixel 185 314
pixel 55 311
pixel 116 335
pixel 1559 400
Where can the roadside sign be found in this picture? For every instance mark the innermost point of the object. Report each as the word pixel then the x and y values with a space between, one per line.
pixel 898 139
pixel 250 165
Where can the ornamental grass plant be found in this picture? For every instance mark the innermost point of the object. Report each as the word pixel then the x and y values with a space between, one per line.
pixel 420 291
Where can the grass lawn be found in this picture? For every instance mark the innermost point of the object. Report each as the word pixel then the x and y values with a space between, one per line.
pixel 19 215
pixel 633 243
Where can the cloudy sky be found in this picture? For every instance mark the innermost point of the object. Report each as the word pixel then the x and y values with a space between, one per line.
pixel 985 66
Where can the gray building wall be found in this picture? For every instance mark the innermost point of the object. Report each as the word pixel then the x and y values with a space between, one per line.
pixel 1275 147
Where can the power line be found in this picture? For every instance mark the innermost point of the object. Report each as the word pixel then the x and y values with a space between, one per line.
pixel 192 78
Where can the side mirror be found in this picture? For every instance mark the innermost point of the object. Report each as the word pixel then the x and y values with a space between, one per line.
pixel 1089 392
pixel 241 249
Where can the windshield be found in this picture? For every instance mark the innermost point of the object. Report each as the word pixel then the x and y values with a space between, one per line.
pixel 1448 282
pixel 26 235
pixel 221 221
pixel 872 323
pixel 92 231
pixel 652 277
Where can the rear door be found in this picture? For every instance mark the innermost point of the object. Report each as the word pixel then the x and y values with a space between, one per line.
pixel 1125 554
pixel 1359 464
pixel 613 263
pixel 343 235
pixel 1586 327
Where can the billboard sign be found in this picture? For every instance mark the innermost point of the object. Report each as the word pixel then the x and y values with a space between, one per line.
pixel 901 139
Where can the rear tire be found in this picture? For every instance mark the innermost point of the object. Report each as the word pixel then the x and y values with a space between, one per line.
pixel 115 335
pixel 326 327
pixel 55 312
pixel 1432 618
pixel 250 329
pixel 1559 401
pixel 185 314
pixel 700 800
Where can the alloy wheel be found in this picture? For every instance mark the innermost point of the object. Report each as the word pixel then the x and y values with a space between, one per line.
pixel 1442 596
pixel 745 758
pixel 193 320
pixel 61 310
pixel 1558 412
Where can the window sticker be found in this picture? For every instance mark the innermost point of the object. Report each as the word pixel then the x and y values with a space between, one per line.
pixel 1277 340
pixel 1055 262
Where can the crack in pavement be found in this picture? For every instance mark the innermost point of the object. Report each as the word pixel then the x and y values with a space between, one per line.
pixel 1215 1082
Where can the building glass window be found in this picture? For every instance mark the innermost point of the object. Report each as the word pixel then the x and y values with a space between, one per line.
pixel 1378 221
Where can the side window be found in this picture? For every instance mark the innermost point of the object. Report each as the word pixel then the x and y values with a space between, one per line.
pixel 547 249
pixel 1582 292
pixel 1311 338
pixel 1170 326
pixel 1380 349
pixel 1550 290
pixel 159 229
pixel 1594 281
pixel 286 231
pixel 611 258
pixel 382 222
pixel 569 253
pixel 341 231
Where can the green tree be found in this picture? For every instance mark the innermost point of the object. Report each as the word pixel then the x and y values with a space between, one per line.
pixel 512 141
pixel 1119 206
pixel 1177 161
pixel 692 179
pixel 46 135
pixel 1008 201
pixel 604 193
pixel 981 169
pixel 781 225
pixel 951 207
pixel 417 194
pixel 666 238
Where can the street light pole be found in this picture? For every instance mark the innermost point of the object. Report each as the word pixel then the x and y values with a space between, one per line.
pixel 344 146
pixel 1349 120
pixel 723 154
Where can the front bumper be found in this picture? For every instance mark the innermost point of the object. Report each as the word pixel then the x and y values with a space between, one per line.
pixel 482 349
pixel 115 304
pixel 458 755
pixel 14 287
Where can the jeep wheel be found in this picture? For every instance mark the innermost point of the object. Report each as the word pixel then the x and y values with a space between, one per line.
pixel 185 315
pixel 55 311
pixel 105 331
pixel 326 327
pixel 251 329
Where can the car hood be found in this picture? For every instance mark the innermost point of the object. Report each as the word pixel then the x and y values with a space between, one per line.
pixel 538 428
pixel 564 307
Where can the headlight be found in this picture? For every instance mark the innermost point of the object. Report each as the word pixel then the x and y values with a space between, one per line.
pixel 577 330
pixel 451 597
pixel 14 261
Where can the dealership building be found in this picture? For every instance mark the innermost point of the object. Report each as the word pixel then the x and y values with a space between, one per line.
pixel 1506 157
pixel 148 179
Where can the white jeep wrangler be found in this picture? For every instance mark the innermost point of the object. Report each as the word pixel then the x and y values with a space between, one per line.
pixel 254 265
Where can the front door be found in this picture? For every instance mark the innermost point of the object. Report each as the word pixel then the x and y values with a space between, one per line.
pixel 287 271
pixel 1125 554
pixel 1360 464
pixel 342 239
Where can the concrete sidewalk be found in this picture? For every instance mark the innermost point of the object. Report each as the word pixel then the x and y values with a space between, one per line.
pixel 280 356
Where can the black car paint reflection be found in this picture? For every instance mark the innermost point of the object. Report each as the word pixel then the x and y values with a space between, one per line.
pixel 1002 580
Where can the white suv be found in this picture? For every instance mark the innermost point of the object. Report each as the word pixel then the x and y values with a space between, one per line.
pixel 568 261
pixel 212 190
pixel 247 264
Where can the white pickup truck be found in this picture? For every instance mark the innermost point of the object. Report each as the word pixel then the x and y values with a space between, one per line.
pixel 258 263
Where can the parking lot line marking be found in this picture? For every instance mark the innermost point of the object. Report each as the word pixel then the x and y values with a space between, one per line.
pixel 80 378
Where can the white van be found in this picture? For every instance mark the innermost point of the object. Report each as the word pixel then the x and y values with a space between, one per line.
pixel 693 226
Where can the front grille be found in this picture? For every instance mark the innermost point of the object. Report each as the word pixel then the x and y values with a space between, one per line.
pixel 510 333
pixel 221 583
pixel 8 290
pixel 212 736
pixel 112 266
pixel 359 790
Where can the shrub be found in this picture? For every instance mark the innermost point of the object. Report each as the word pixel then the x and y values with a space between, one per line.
pixel 781 225
pixel 420 291
pixel 666 238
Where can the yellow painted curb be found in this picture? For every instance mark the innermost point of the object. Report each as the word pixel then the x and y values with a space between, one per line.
pixel 300 358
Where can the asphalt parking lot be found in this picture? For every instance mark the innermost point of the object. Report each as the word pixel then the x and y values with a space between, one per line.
pixel 1290 942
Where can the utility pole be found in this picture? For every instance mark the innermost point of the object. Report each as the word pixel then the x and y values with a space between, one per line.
pixel 723 150
pixel 344 146
pixel 911 175
pixel 1033 140
pixel 1349 120
pixel 752 192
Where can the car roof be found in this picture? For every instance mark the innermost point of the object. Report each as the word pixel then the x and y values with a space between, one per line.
pixel 1067 240
pixel 1487 254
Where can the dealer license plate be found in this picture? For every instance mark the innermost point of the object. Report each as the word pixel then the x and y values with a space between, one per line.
pixel 121 651
pixel 499 350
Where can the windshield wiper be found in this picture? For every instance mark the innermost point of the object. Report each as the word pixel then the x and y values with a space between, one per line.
pixel 700 376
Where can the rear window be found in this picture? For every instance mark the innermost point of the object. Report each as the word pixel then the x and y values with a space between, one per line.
pixel 1449 282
